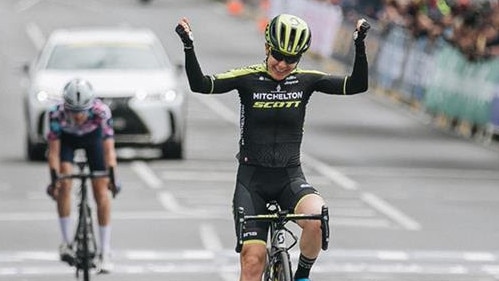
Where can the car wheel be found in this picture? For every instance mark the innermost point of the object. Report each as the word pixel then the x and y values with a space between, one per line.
pixel 172 150
pixel 35 152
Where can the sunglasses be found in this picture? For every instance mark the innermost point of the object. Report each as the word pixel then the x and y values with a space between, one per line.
pixel 278 56
pixel 72 111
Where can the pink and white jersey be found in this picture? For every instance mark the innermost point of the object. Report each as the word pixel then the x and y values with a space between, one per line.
pixel 99 116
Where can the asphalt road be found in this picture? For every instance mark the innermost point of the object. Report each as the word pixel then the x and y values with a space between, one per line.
pixel 408 201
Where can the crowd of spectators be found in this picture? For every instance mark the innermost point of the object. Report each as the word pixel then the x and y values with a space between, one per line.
pixel 471 25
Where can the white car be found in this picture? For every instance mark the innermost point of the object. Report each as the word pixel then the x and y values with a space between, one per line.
pixel 129 70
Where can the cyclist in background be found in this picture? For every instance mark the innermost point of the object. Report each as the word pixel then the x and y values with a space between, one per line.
pixel 82 121
pixel 273 97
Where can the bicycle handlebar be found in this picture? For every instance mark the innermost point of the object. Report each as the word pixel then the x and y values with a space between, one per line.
pixel 93 175
pixel 287 217
pixel 284 217
pixel 80 160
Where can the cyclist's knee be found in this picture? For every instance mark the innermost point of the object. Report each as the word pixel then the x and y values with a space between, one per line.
pixel 312 226
pixel 253 254
pixel 309 204
pixel 253 258
pixel 101 192
pixel 64 191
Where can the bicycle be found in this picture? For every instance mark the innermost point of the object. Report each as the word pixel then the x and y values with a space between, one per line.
pixel 278 264
pixel 84 240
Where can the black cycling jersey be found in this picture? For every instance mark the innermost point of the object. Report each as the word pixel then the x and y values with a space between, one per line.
pixel 272 112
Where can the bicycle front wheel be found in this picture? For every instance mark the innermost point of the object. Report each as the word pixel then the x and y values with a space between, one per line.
pixel 84 255
pixel 279 268
pixel 85 246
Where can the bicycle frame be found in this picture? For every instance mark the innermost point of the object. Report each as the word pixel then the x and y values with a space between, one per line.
pixel 278 267
pixel 84 240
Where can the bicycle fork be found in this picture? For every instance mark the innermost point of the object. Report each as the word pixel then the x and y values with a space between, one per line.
pixel 279 264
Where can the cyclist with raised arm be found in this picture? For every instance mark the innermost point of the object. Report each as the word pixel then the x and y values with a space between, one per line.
pixel 273 97
pixel 82 121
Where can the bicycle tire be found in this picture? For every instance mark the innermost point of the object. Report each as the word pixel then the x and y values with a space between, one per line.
pixel 85 249
pixel 84 242
pixel 279 267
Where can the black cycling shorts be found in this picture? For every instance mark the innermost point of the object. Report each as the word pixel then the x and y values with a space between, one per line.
pixel 258 185
pixel 92 143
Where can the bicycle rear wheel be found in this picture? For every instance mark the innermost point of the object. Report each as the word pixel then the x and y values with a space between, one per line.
pixel 279 268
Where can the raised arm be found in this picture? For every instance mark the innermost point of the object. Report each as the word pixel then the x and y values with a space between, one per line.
pixel 198 82
pixel 358 80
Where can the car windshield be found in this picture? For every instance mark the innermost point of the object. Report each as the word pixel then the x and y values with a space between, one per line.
pixel 105 56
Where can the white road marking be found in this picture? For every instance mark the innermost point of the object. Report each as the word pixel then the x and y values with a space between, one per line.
pixel 176 212
pixel 146 174
pixel 338 254
pixel 169 202
pixel 327 171
pixel 393 255
pixel 491 269
pixel 390 211
pixel 144 215
pixel 182 175
pixel 212 243
pixel 219 108
pixel 167 199
pixel 150 255
pixel 479 256
pixel 352 212
pixel 210 238
pixel 434 173
pixel 225 262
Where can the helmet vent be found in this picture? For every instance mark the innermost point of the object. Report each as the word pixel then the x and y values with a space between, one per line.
pixel 282 41
pixel 292 37
pixel 301 41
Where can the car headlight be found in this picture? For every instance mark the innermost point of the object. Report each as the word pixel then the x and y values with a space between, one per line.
pixel 46 97
pixel 42 96
pixel 164 96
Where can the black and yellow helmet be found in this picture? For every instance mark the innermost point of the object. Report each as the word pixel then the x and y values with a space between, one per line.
pixel 288 34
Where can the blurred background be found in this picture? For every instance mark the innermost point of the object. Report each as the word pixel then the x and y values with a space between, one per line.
pixel 410 169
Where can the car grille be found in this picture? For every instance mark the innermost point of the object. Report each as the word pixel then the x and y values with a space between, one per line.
pixel 127 122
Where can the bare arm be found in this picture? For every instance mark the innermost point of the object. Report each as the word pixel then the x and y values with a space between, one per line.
pixel 110 153
pixel 54 151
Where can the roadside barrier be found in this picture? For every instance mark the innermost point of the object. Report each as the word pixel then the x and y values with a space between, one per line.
pixel 435 76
